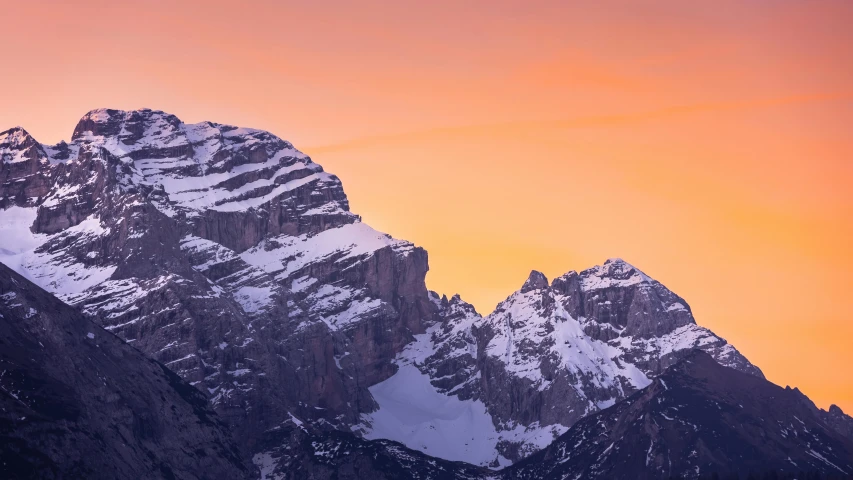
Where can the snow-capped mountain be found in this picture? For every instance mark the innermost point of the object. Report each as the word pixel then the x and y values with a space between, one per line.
pixel 233 259
pixel 222 252
pixel 494 389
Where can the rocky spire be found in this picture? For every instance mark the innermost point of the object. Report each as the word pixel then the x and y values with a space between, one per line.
pixel 535 281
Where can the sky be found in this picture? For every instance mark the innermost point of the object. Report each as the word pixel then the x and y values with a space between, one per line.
pixel 707 143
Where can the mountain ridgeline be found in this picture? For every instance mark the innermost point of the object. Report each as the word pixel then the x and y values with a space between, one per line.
pixel 310 341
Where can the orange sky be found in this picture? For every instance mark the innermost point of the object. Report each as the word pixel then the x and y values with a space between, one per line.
pixel 707 143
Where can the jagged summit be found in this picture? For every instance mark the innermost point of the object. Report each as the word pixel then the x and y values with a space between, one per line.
pixel 563 350
pixel 535 281
pixel 224 253
pixel 234 259
pixel 17 146
pixel 613 272
pixel 13 136
pixel 109 122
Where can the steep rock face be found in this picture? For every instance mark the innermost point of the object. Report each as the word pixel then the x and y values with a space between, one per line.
pixel 835 418
pixel 23 167
pixel 838 420
pixel 77 402
pixel 233 258
pixel 696 419
pixel 548 355
pixel 222 252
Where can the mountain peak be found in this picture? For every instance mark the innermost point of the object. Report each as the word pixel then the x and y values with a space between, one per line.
pixel 106 122
pixel 13 136
pixel 103 115
pixel 17 145
pixel 535 281
pixel 16 137
pixel 614 272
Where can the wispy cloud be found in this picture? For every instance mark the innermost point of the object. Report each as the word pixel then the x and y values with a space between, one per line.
pixel 589 121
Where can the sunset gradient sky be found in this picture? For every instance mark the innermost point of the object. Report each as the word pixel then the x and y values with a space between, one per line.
pixel 710 144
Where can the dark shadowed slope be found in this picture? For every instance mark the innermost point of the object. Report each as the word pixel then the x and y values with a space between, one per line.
pixel 298 452
pixel 77 402
pixel 696 419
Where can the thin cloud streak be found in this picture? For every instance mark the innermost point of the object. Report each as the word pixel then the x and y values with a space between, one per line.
pixel 583 122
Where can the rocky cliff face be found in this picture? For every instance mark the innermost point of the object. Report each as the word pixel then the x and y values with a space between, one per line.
pixel 697 419
pixel 835 418
pixel 222 252
pixel 233 259
pixel 548 355
pixel 78 402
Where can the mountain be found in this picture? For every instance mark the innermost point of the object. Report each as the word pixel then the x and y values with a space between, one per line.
pixel 233 259
pixel 550 354
pixel 78 402
pixel 696 419
pixel 223 253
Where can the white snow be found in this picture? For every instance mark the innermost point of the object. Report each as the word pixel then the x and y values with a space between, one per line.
pixel 16 238
pixel 302 283
pixel 602 276
pixel 520 325
pixel 824 460
pixel 285 255
pixel 412 412
pixel 266 463
pixel 355 311
pixel 11 142
pixel 254 299
pixel 61 193
pixel 56 272
pixel 213 252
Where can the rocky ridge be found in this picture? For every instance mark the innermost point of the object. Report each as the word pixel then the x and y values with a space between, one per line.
pixel 550 354
pixel 697 419
pixel 233 258
pixel 222 252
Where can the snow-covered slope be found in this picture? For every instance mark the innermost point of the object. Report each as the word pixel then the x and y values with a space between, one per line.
pixel 414 412
pixel 547 356
pixel 233 258
pixel 223 252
